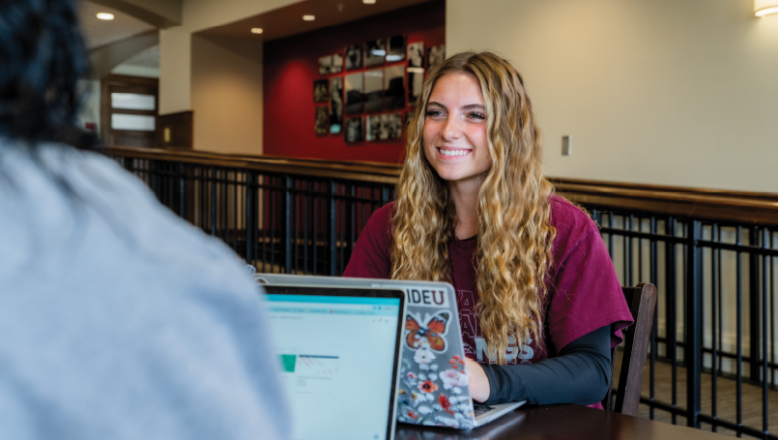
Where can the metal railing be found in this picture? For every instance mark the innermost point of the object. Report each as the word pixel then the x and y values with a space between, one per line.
pixel 711 254
pixel 715 313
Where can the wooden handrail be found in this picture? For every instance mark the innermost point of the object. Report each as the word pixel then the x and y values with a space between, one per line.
pixel 372 172
pixel 699 203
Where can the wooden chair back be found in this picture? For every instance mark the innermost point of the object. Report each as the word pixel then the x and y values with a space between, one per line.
pixel 637 337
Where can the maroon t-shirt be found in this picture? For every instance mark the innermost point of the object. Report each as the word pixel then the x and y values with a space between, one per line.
pixel 584 292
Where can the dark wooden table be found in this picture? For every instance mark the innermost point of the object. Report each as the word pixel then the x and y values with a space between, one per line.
pixel 560 422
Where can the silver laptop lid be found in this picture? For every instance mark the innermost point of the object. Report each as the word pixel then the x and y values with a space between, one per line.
pixel 433 387
pixel 336 344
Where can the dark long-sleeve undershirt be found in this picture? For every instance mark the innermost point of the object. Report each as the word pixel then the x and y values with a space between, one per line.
pixel 581 373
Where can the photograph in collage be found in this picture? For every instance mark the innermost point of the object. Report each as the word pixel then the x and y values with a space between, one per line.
pixel 374 54
pixel 322 120
pixel 336 104
pixel 337 63
pixel 355 96
pixel 354 130
pixel 374 90
pixel 415 81
pixel 394 87
pixel 325 65
pixel 386 127
pixel 354 57
pixel 320 90
pixel 436 56
pixel 416 54
pixel 396 50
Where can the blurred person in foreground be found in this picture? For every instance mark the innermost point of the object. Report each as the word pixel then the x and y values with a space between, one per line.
pixel 118 320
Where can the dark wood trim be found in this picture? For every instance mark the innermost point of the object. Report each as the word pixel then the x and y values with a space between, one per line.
pixel 181 130
pixel 704 204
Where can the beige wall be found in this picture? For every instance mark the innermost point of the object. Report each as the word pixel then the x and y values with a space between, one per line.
pixel 175 71
pixel 227 94
pixel 660 91
pixel 176 68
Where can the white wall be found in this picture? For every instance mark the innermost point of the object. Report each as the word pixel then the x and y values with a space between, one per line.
pixel 227 94
pixel 652 91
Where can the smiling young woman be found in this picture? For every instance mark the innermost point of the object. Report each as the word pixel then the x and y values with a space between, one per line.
pixel 539 301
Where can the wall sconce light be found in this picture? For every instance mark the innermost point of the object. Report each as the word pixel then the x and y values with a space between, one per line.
pixel 765 7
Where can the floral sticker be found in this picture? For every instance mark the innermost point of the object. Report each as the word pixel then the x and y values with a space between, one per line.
pixel 428 386
pixel 432 398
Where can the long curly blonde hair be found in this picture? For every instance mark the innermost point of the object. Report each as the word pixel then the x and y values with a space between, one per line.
pixel 514 234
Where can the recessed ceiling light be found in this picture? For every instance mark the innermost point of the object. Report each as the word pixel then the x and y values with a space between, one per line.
pixel 767 11
pixel 309 17
pixel 368 2
pixel 105 16
pixel 256 30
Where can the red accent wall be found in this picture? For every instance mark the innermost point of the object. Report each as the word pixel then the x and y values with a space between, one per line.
pixel 290 66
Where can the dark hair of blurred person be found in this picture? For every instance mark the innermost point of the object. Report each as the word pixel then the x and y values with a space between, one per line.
pixel 118 320
pixel 43 58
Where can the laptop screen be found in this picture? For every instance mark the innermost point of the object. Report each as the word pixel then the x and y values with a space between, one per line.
pixel 339 354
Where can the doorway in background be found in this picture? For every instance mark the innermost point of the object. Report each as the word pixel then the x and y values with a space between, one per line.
pixel 128 111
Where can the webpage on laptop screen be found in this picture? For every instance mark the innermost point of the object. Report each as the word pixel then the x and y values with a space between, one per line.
pixel 336 357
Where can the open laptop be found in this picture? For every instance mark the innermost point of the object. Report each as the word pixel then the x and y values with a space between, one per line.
pixel 433 388
pixel 339 349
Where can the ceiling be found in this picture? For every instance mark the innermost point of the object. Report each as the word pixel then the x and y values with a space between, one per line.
pixel 287 21
pixel 278 23
pixel 102 32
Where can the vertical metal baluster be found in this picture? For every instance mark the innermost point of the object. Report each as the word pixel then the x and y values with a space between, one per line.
pixel 225 207
pixel 315 233
pixel 772 309
pixel 739 331
pixel 275 199
pixel 306 198
pixel 720 348
pixel 352 228
pixel 610 236
pixel 640 251
pixel 654 328
pixel 212 180
pixel 249 217
pixel 765 371
pixel 201 196
pixel 342 223
pixel 671 340
pixel 333 226
pixel 753 305
pixel 181 190
pixel 385 195
pixel 692 323
pixel 267 199
pixel 631 263
pixel 289 221
pixel 234 223
pixel 714 319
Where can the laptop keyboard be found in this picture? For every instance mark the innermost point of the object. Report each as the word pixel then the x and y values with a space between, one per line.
pixel 479 409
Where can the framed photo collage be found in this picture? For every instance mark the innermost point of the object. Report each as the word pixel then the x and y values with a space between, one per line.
pixel 365 89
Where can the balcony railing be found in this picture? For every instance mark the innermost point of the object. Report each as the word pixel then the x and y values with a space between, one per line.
pixel 712 255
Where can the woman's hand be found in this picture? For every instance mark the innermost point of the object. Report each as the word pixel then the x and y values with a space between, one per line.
pixel 478 382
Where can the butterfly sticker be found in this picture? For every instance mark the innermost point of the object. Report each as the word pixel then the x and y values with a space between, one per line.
pixel 430 334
